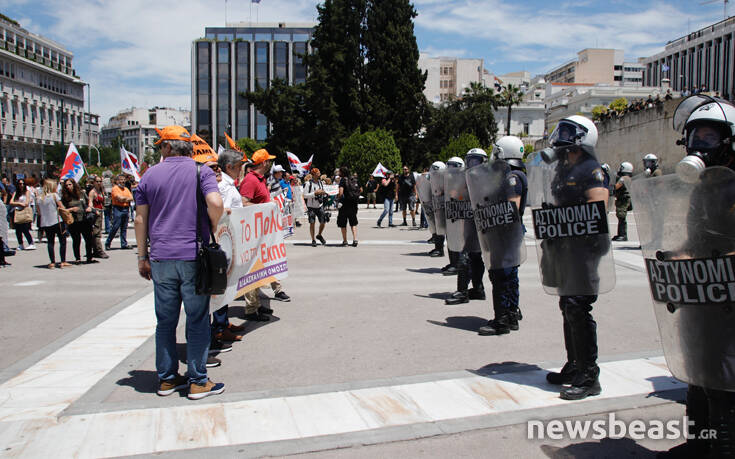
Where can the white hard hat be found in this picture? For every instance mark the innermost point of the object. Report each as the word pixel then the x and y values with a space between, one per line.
pixel 508 147
pixel 475 157
pixel 455 161
pixel 436 165
pixel 575 130
pixel 626 167
pixel 650 157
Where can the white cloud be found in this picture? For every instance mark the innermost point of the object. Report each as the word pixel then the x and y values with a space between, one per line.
pixel 437 52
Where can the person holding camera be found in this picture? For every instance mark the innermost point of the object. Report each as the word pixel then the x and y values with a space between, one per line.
pixel 316 197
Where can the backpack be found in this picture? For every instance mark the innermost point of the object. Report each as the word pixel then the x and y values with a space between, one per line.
pixel 352 190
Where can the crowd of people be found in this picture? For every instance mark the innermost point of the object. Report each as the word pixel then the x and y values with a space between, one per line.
pixel 59 208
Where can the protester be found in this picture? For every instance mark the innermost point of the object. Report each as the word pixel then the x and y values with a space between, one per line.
pixel 168 219
pixel 121 197
pixel 75 201
pixel 316 198
pixel 371 187
pixel 23 214
pixel 48 204
pixel 97 197
pixel 387 190
pixel 107 186
pixel 3 234
pixel 406 192
pixel 254 191
pixel 9 192
pixel 349 197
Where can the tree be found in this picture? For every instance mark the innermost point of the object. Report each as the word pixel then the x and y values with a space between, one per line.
pixel 363 151
pixel 527 150
pixel 394 83
pixel 509 96
pixel 619 105
pixel 459 146
pixel 249 146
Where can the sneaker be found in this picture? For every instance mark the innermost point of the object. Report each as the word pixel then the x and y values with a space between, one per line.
pixel 172 385
pixel 236 328
pixel 19 248
pixel 217 346
pixel 255 317
pixel 344 244
pixel 405 224
pixel 213 362
pixel 107 247
pixel 31 247
pixel 227 335
pixel 198 391
pixel 313 243
pixel 281 296
pixel 321 239
pixel 377 225
pixel 391 225
pixel 354 243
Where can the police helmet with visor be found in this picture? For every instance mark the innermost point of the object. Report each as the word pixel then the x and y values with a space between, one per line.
pixel 475 157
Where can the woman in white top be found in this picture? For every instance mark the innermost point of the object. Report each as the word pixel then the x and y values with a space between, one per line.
pixel 47 204
pixel 20 200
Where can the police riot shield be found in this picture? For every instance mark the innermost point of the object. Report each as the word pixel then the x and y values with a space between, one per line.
pixel 461 233
pixel 572 236
pixel 436 178
pixel 423 186
pixel 687 234
pixel 497 219
pixel 538 173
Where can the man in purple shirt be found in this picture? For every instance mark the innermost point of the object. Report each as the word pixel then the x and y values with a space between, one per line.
pixel 166 217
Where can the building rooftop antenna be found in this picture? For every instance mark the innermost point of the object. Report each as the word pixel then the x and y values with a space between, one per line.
pixel 724 6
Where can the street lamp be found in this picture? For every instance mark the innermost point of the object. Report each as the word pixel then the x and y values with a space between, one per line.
pixel 99 163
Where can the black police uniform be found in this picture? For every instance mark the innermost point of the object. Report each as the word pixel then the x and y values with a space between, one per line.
pixel 622 206
pixel 579 259
pixel 505 283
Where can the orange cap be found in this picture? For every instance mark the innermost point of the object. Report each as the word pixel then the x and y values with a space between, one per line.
pixel 205 158
pixel 261 155
pixel 173 133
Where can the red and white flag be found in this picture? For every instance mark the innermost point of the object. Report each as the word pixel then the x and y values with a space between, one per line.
pixel 73 165
pixel 301 168
pixel 129 163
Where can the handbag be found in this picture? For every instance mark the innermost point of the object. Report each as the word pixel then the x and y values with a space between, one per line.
pixel 23 216
pixel 211 259
pixel 66 216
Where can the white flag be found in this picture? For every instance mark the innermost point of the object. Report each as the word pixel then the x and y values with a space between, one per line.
pixel 129 163
pixel 380 171
pixel 220 149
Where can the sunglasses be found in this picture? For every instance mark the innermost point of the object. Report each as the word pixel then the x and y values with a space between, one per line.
pixel 215 168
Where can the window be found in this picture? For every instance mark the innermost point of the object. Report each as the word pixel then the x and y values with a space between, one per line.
pixel 224 123
pixel 282 37
pixel 299 69
pixel 617 78
pixel 301 37
pixel 225 37
pixel 261 65
pixel 280 56
pixel 242 84
pixel 526 127
pixel 261 127
pixel 262 37
pixel 203 106
pixel 618 67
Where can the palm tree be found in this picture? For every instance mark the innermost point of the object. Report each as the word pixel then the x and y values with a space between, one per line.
pixel 509 96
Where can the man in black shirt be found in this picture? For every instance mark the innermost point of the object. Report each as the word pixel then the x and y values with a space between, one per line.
pixel 406 189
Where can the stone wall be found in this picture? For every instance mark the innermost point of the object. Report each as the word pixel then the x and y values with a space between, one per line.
pixel 637 134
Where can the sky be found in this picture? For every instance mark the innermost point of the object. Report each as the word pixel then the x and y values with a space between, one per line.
pixel 138 52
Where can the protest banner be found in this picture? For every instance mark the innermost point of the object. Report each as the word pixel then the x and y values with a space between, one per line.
pixel 285 206
pixel 331 190
pixel 299 205
pixel 252 238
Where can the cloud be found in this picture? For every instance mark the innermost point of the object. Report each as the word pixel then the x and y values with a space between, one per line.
pixel 437 52
pixel 138 52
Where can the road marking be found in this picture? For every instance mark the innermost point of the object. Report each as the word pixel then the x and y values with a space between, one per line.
pixel 213 424
pixel 29 283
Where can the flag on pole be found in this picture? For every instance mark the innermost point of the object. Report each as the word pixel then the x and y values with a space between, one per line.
pixel 380 171
pixel 129 163
pixel 220 149
pixel 664 68
pixel 73 165
pixel 235 147
pixel 296 164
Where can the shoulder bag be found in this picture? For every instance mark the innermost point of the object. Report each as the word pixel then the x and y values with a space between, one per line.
pixel 23 216
pixel 211 259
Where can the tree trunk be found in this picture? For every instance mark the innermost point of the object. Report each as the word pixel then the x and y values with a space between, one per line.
pixel 507 123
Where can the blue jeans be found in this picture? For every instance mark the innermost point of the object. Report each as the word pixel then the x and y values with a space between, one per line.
pixel 108 211
pixel 119 222
pixel 387 209
pixel 174 281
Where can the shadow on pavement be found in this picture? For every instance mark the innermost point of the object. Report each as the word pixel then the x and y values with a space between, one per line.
pixel 424 270
pixel 492 369
pixel 436 296
pixel 468 323
pixel 416 254
pixel 667 388
pixel 143 381
pixel 607 447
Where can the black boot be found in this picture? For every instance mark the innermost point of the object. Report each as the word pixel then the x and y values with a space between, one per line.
pixel 451 268
pixel 458 297
pixel 697 412
pixel 585 384
pixel 438 246
pixel 476 293
pixel 565 376
pixel 498 326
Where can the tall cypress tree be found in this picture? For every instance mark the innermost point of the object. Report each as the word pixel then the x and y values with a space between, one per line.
pixel 394 82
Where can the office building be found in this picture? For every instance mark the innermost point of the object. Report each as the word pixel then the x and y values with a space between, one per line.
pixel 447 77
pixel 237 58
pixel 136 127
pixel 598 66
pixel 702 58
pixel 41 99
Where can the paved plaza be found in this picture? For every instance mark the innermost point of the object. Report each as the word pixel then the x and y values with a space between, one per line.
pixel 365 361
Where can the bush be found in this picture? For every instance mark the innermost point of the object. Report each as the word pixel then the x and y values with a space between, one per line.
pixel 459 146
pixel 361 152
pixel 619 104
pixel 527 150
pixel 248 145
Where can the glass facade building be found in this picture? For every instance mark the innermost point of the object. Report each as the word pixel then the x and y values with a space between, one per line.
pixel 231 60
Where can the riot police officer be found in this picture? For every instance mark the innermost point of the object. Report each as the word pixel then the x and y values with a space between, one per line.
pixel 424 189
pixel 622 200
pixel 503 236
pixel 698 333
pixel 461 234
pixel 576 266
pixel 650 164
